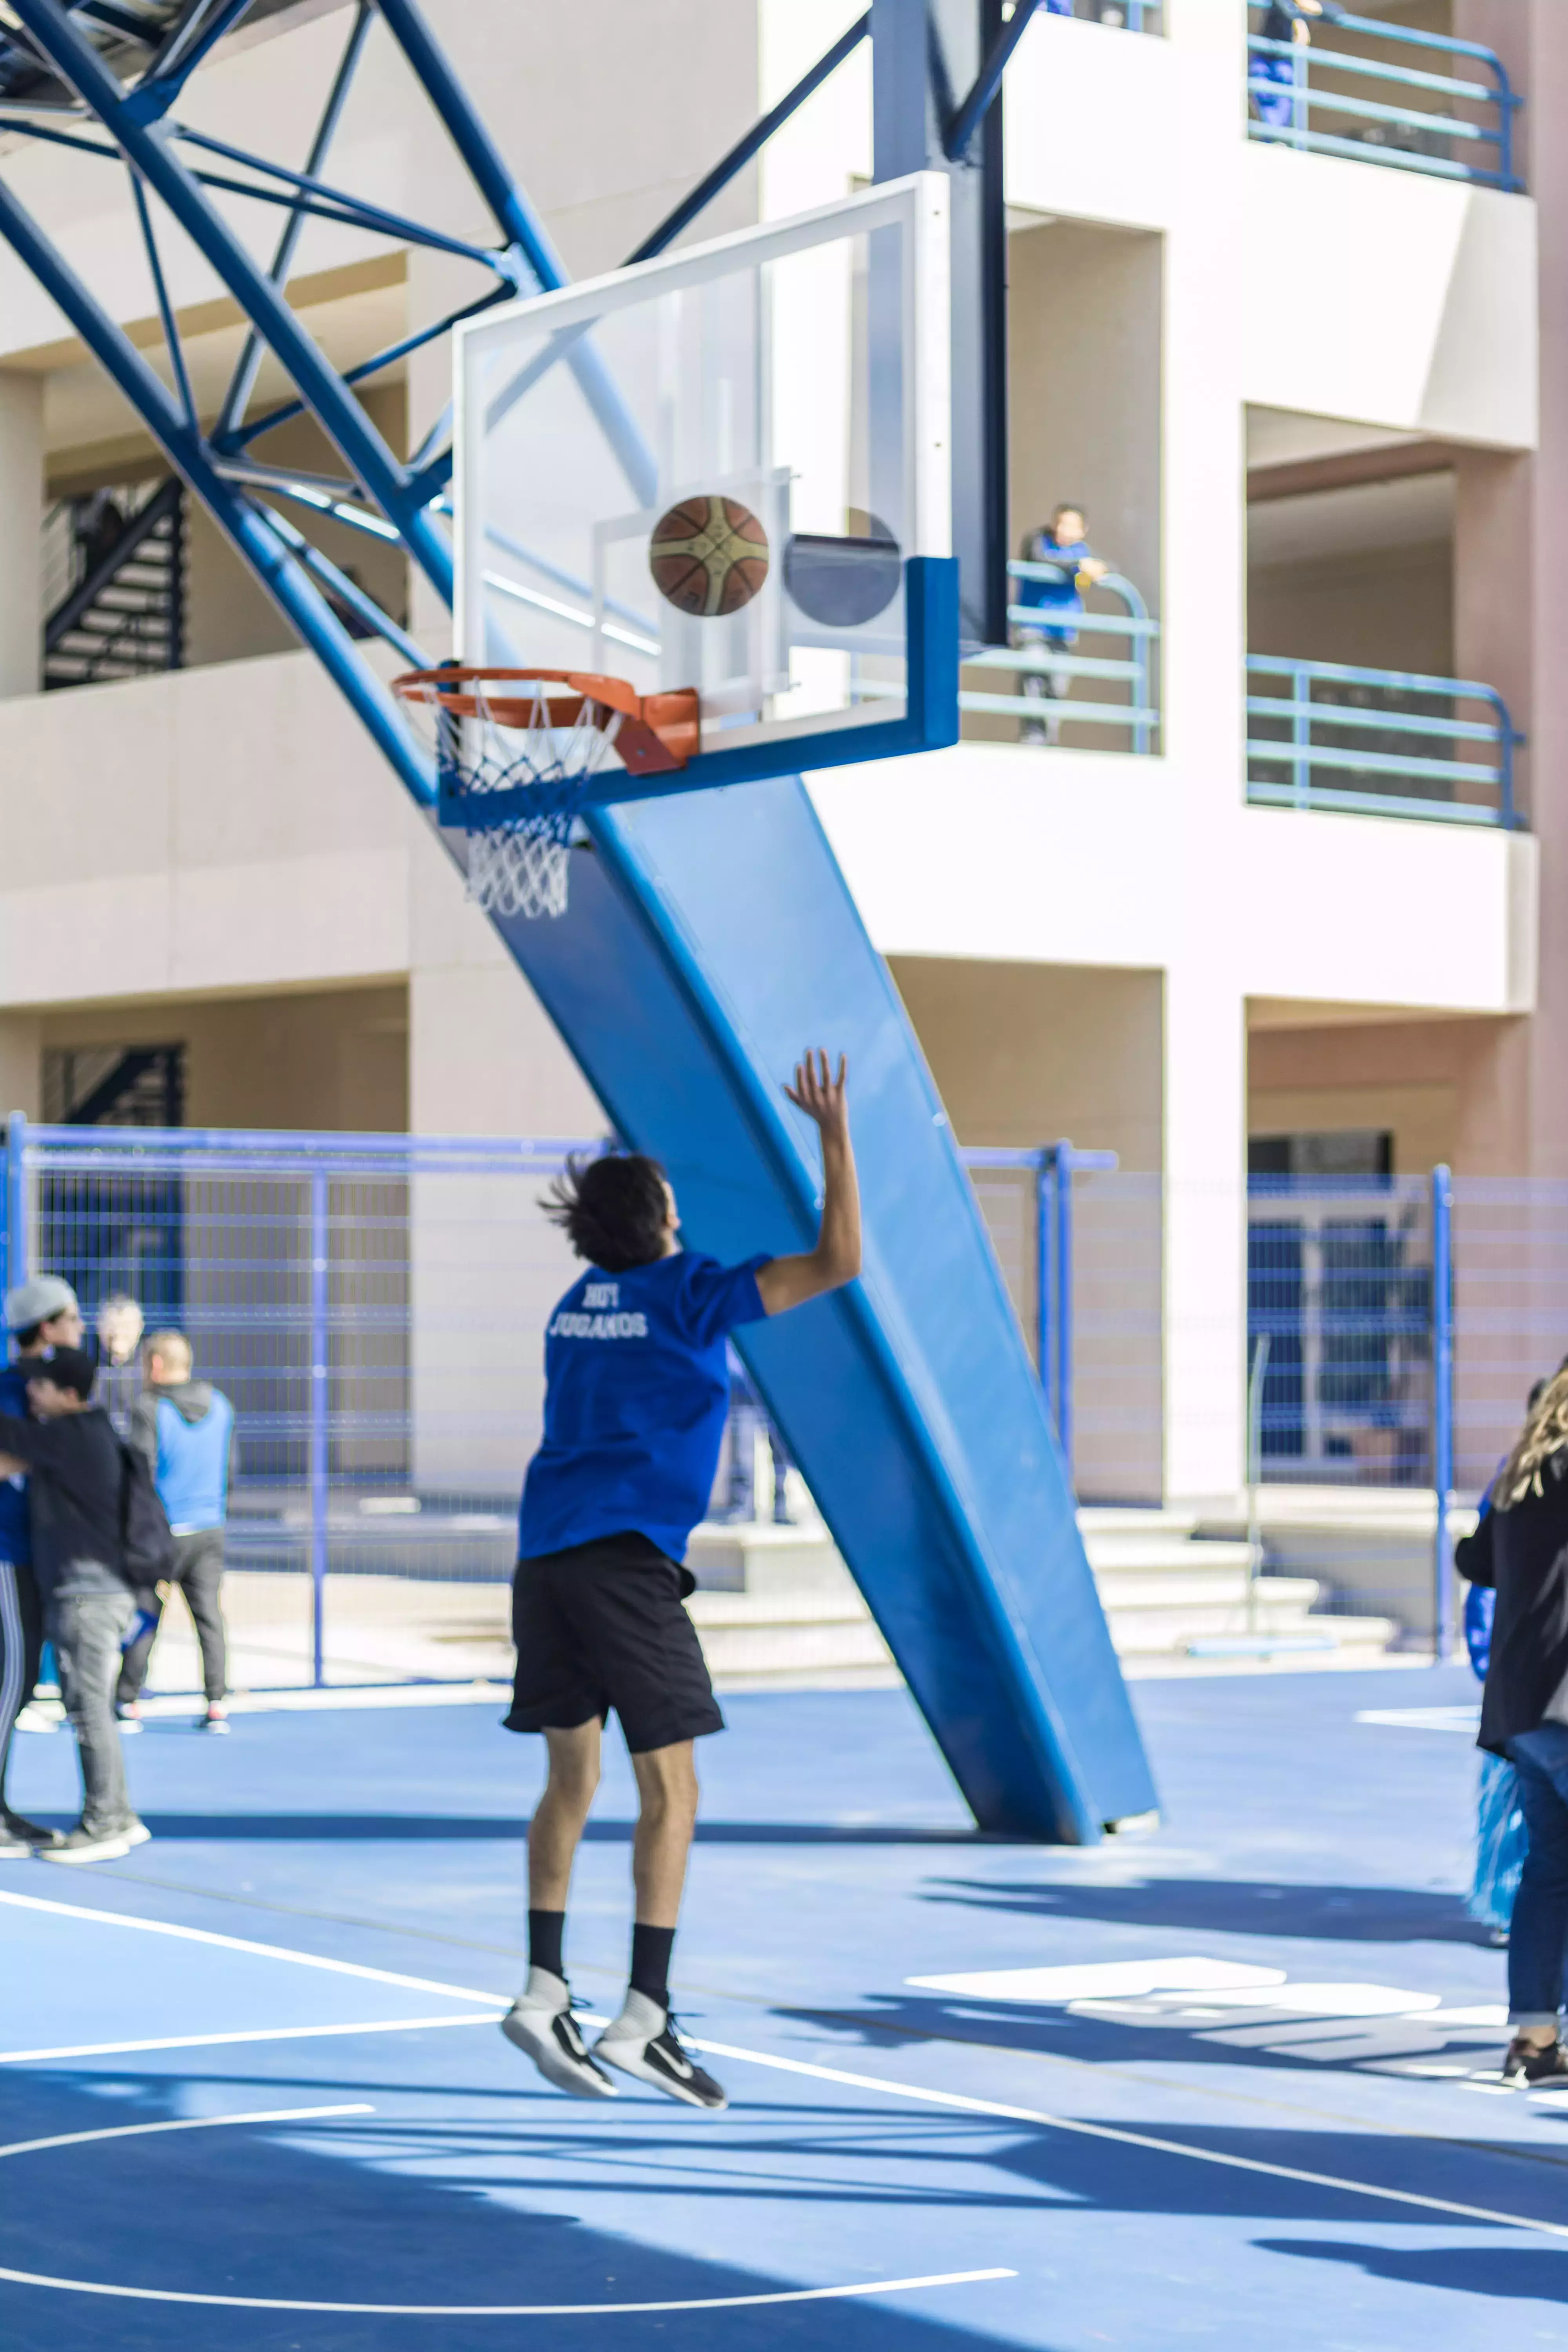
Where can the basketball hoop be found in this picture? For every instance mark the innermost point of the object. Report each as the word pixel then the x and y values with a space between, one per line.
pixel 515 750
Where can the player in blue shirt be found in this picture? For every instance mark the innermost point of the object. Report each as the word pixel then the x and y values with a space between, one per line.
pixel 636 1391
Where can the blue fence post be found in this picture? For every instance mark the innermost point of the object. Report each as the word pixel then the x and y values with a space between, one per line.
pixel 1044 1289
pixel 1442 1408
pixel 320 1466
pixel 1062 1156
pixel 1302 735
pixel 16 1200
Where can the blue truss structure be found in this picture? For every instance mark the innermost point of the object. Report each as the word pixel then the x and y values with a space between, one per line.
pixel 104 80
pixel 908 1399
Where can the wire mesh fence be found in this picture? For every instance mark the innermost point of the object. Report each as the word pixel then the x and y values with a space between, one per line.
pixel 374 1308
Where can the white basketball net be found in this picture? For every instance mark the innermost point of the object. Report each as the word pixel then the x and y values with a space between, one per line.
pixel 518 866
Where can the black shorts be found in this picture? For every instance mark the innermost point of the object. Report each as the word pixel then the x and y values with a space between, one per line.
pixel 600 1625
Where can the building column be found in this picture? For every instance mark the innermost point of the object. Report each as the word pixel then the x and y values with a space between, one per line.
pixel 1205 1235
pixel 22 498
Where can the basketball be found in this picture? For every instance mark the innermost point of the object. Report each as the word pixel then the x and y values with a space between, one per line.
pixel 709 556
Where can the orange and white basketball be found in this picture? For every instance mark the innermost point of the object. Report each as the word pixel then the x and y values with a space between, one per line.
pixel 709 556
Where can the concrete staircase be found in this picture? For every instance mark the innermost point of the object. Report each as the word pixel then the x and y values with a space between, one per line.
pixel 776 1606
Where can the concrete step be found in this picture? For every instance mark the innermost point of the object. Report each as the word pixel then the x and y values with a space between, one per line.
pixel 1198 1587
pixel 778 1603
pixel 1174 1555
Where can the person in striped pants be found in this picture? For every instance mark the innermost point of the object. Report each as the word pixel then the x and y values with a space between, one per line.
pixel 40 1314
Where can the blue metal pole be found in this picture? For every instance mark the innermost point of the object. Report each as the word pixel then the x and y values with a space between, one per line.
pixel 1442 1409
pixel 319 1460
pixel 1064 1157
pixel 1301 735
pixel 61 39
pixel 16 1200
pixel 1045 1353
pixel 740 154
pixel 988 81
pixel 300 602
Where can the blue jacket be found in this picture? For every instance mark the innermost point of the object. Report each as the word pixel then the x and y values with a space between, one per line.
pixel 15 1538
pixel 186 1436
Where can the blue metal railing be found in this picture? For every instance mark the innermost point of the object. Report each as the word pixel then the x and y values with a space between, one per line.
pixel 1377 741
pixel 1031 656
pixel 1125 16
pixel 1286 86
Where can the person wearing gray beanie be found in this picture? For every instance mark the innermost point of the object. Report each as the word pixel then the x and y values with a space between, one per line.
pixel 40 1313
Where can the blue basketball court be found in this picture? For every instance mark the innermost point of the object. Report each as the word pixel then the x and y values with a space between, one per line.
pixel 1233 2080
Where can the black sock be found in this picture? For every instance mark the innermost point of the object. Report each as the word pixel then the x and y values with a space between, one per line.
pixel 651 1948
pixel 545 1932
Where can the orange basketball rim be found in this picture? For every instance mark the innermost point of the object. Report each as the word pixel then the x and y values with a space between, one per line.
pixel 658 732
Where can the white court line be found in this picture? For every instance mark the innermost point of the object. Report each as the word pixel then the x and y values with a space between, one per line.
pixel 427 2310
pixel 1129 2138
pixel 214 2040
pixel 244 1944
pixel 180 2122
pixel 958 2099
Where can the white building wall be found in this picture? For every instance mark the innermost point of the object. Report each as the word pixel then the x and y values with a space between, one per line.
pixel 230 829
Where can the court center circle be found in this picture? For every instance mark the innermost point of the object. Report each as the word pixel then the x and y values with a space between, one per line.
pixel 429 2310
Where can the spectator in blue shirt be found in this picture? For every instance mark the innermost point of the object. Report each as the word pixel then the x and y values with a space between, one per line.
pixel 637 1392
pixel 185 1429
pixel 1286 21
pixel 1059 598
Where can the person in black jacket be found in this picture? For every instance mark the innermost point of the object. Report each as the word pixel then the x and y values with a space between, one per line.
pixel 75 1491
pixel 1520 1549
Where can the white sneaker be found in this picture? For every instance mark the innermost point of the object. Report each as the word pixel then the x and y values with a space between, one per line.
pixel 82 1845
pixel 641 2041
pixel 541 2025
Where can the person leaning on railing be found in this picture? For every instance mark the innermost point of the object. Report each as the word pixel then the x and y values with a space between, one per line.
pixel 1060 542
pixel 1288 20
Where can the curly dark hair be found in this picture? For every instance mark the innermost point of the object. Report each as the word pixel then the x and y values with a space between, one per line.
pixel 612 1208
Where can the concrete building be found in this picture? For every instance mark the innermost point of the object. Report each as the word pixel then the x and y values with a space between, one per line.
pixel 1305 393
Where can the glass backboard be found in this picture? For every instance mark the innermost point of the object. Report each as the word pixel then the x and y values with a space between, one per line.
pixel 726 469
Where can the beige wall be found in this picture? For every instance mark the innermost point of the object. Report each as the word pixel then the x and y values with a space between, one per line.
pixel 1391 609
pixel 1025 1054
pixel 331 1058
pixel 1440 1087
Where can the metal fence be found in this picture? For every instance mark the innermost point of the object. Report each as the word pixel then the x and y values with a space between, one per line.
pixel 1385 93
pixel 373 1306
pixel 1380 742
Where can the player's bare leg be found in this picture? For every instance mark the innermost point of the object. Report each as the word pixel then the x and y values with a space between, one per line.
pixel 642 2040
pixel 556 1829
pixel 666 1816
pixel 540 2022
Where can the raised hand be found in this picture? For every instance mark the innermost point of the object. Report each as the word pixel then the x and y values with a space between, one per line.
pixel 820 1095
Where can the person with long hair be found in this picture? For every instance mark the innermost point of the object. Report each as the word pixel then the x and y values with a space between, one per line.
pixel 1520 1549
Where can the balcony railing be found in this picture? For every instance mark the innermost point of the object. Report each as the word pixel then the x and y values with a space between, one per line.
pixel 1124 15
pixel 1131 628
pixel 1449 111
pixel 1377 742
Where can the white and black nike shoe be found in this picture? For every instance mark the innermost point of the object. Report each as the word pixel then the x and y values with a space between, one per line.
pixel 641 2041
pixel 540 2022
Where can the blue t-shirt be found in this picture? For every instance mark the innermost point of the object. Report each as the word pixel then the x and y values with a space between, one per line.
pixel 1059 594
pixel 636 1391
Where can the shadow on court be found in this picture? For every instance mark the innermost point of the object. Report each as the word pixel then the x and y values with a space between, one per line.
pixel 1514 2274
pixel 418 2207
pixel 447 1829
pixel 438 2198
pixel 1231 1906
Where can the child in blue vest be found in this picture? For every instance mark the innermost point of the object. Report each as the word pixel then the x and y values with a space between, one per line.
pixel 185 1428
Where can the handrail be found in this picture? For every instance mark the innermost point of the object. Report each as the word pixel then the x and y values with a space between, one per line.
pixel 1304 751
pixel 1297 88
pixel 1133 624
